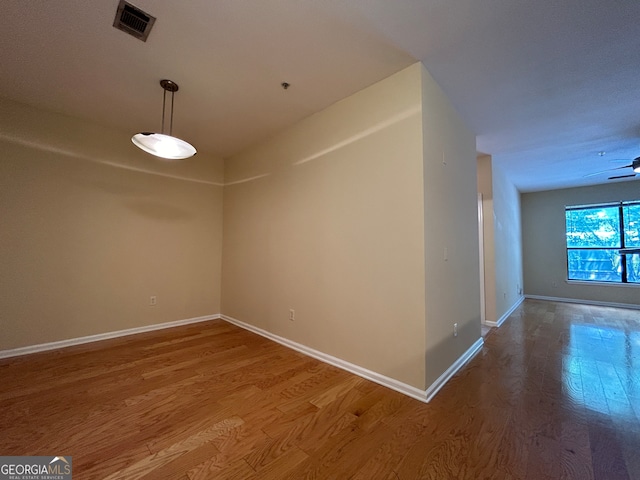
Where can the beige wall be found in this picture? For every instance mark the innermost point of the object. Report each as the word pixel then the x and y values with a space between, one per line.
pixel 507 241
pixel 502 233
pixel 344 219
pixel 544 243
pixel 326 219
pixel 92 227
pixel 485 187
pixel 452 277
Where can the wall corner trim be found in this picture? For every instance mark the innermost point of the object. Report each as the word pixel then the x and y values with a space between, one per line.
pixel 502 319
pixel 15 352
pixel 584 302
pixel 453 369
pixel 378 378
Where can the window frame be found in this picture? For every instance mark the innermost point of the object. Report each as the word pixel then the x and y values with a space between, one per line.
pixel 624 274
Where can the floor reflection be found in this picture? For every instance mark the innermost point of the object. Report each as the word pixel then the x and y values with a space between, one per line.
pixel 601 368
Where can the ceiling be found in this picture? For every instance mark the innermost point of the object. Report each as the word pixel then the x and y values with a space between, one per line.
pixel 545 85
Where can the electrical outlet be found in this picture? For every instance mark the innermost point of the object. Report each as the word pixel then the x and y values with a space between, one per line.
pixel 455 329
pixel 153 300
pixel 292 314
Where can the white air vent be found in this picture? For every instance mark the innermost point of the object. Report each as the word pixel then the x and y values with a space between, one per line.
pixel 134 21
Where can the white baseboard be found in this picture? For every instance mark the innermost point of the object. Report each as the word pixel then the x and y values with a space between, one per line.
pixel 102 336
pixel 336 362
pixel 453 369
pixel 406 389
pixel 584 302
pixel 501 320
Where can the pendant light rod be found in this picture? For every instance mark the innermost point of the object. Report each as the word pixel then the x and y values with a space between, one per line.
pixel 164 108
pixel 171 121
pixel 168 86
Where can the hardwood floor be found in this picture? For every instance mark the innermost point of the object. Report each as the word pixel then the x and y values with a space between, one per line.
pixel 555 393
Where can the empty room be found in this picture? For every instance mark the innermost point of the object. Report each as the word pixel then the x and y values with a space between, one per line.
pixel 319 240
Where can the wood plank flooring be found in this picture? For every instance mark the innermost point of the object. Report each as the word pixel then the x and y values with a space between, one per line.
pixel 555 393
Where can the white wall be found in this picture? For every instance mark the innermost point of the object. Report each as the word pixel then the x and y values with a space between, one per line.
pixel 92 227
pixel 544 243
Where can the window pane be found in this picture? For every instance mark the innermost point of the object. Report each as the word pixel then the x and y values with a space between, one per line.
pixel 633 268
pixel 593 227
pixel 598 265
pixel 631 214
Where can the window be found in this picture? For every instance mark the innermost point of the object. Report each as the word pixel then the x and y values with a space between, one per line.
pixel 603 242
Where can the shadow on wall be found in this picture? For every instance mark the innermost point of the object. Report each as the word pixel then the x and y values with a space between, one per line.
pixel 306 158
pixel 131 189
pixel 42 146
pixel 363 134
pixel 158 210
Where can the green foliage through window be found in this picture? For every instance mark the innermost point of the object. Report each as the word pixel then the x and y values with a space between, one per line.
pixel 597 236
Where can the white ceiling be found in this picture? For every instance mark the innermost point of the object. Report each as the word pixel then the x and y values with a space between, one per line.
pixel 545 84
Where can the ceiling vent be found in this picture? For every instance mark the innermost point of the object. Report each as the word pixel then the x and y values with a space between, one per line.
pixel 134 21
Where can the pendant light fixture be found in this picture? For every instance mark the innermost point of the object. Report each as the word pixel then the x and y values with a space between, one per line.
pixel 159 144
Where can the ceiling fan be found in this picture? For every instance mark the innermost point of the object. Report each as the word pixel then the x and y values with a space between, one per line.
pixel 635 165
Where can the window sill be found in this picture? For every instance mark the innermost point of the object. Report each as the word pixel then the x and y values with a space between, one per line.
pixel 602 284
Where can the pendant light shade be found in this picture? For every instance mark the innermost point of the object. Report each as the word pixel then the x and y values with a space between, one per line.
pixel 160 144
pixel 164 146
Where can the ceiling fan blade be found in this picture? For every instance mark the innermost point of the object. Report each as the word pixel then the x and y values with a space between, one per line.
pixel 621 176
pixel 607 170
